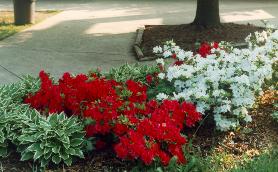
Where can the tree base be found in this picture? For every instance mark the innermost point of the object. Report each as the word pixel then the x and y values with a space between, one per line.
pixel 200 26
pixel 207 13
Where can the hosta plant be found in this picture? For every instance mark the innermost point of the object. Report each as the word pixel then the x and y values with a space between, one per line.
pixel 56 139
pixel 133 72
pixel 13 113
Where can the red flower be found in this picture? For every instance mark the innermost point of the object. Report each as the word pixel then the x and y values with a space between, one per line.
pixel 164 157
pixel 178 63
pixel 149 79
pixel 215 45
pixel 120 129
pixel 100 144
pixel 144 129
pixel 174 56
pixel 204 49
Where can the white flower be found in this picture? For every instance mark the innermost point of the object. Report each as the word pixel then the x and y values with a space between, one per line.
pixel 264 34
pixel 176 49
pixel 161 75
pixel 171 43
pixel 181 55
pixel 167 54
pixel 270 26
pixel 161 96
pixel 160 61
pixel 157 50
pixel 247 39
pixel 188 54
pixel 213 50
pixel 248 118
pixel 227 81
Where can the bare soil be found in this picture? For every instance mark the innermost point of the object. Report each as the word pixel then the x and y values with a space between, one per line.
pixel 187 35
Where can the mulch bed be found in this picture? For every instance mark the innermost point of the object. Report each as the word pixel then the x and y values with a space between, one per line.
pixel 187 35
pixel 252 140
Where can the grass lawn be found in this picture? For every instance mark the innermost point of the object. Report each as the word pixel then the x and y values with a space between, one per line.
pixel 7 27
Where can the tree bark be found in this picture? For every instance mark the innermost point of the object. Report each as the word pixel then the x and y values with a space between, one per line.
pixel 207 13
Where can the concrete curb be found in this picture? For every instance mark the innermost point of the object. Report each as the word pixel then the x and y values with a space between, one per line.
pixel 139 53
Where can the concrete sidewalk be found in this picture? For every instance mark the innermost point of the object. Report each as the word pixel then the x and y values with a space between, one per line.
pixel 90 34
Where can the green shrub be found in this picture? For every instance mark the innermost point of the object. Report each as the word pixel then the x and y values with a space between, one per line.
pixel 12 112
pixel 134 72
pixel 56 138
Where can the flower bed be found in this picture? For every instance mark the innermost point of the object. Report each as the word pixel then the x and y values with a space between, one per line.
pixel 142 129
pixel 144 111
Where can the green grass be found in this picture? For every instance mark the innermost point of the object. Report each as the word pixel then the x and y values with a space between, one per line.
pixel 267 162
pixel 7 27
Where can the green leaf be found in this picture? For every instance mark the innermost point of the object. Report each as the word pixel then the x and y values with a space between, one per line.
pixel 76 142
pixel 56 149
pixel 79 153
pixel 34 147
pixel 53 119
pixel 26 156
pixel 50 144
pixel 78 135
pixel 3 151
pixel 89 121
pixel 61 117
pixel 89 145
pixel 67 146
pixel 25 139
pixel 68 161
pixel 70 151
pixel 38 154
pixel 65 139
pixel 56 159
pixel 46 150
pixel 63 154
pixel 47 155
pixel 44 162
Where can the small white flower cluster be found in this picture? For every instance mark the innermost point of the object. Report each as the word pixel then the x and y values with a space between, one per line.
pixel 170 48
pixel 257 39
pixel 161 96
pixel 225 82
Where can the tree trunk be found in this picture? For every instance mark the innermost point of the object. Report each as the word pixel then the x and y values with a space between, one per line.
pixel 207 13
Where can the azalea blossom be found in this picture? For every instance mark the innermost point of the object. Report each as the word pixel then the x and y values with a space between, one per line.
pixel 157 50
pixel 224 79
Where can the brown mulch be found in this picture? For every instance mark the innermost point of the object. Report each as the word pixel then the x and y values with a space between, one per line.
pixel 186 35
pixel 99 161
pixel 251 140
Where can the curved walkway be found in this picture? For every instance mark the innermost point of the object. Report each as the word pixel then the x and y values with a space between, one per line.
pixel 90 34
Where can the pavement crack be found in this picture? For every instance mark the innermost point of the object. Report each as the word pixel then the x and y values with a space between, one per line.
pixel 11 72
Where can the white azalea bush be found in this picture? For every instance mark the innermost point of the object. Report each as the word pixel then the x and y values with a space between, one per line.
pixel 225 82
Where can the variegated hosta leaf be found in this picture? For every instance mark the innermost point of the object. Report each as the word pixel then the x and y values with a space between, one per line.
pixel 56 138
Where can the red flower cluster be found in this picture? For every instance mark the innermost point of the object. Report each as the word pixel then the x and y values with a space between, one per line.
pixel 158 135
pixel 205 48
pixel 146 130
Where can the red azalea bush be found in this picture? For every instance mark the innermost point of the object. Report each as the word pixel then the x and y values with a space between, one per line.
pixel 205 48
pixel 146 129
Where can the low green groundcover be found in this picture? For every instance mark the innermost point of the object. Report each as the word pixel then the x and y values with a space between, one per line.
pixel 55 138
